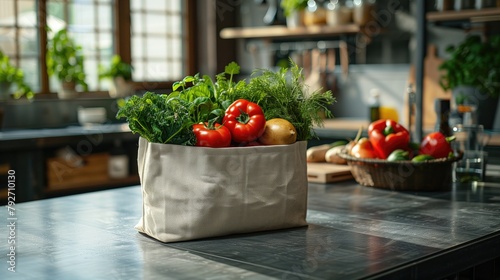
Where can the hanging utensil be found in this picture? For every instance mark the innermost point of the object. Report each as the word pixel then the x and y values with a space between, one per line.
pixel 306 63
pixel 313 81
pixel 323 69
pixel 331 64
pixel 344 58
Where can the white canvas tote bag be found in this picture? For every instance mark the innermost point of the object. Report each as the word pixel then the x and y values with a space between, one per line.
pixel 197 192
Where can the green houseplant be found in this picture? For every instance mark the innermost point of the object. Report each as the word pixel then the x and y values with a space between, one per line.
pixel 120 73
pixel 11 75
pixel 65 61
pixel 293 9
pixel 472 72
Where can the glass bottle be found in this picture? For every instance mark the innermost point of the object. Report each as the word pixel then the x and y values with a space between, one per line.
pixel 374 109
pixel 442 107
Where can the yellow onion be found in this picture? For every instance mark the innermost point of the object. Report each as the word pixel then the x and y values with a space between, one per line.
pixel 278 132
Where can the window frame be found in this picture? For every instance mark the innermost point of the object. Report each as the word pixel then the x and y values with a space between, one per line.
pixel 122 43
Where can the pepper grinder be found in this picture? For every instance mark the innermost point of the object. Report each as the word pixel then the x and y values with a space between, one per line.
pixel 442 108
pixel 411 111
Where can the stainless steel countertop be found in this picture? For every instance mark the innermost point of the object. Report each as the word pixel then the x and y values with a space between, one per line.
pixel 354 232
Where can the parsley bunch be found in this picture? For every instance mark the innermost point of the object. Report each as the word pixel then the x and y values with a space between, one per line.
pixel 158 118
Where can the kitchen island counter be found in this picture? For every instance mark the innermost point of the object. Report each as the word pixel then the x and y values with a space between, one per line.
pixel 354 232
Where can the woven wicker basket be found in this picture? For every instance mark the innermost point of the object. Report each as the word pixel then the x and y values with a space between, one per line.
pixel 432 175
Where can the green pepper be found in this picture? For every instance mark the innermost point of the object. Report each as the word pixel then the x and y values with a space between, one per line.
pixel 398 155
pixel 422 158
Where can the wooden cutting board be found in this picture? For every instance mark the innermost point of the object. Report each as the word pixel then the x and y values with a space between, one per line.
pixel 323 172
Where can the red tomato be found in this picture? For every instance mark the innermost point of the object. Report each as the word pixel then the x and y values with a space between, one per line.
pixel 245 120
pixel 436 144
pixel 216 137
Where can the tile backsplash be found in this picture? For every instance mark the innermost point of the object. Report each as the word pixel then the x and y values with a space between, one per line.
pixel 353 94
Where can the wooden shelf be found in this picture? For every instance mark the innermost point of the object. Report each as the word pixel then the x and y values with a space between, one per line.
pixel 109 183
pixel 483 15
pixel 283 32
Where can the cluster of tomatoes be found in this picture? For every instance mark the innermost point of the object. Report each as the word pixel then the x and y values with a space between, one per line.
pixel 244 121
pixel 244 124
pixel 389 140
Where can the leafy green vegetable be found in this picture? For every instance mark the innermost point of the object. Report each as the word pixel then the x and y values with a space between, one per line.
pixel 158 118
pixel 197 99
pixel 232 69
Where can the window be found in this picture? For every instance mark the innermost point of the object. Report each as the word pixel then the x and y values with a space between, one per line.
pixel 19 37
pixel 157 39
pixel 154 30
pixel 90 24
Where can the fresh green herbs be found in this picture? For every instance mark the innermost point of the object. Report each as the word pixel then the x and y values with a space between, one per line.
pixel 159 119
pixel 199 99
pixel 281 95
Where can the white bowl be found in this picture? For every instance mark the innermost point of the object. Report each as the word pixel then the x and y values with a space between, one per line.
pixel 95 115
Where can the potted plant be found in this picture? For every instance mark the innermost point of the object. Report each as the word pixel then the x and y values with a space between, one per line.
pixel 11 75
pixel 65 61
pixel 472 72
pixel 293 11
pixel 120 73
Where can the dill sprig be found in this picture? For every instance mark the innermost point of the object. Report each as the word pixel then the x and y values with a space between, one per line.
pixel 281 95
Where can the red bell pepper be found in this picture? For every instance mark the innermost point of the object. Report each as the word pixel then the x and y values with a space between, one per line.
pixel 386 136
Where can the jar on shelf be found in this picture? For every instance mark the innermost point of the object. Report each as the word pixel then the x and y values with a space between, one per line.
pixel 314 14
pixel 464 4
pixel 338 13
pixel 444 5
pixel 363 11
pixel 481 4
